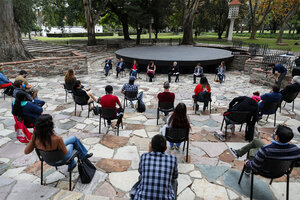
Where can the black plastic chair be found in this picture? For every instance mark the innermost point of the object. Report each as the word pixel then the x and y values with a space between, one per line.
pixel 177 135
pixel 270 108
pixel 130 95
pixel 272 168
pixel 209 102
pixel 82 101
pixel 164 107
pixel 108 114
pixel 55 158
pixel 289 98
pixel 68 90
pixel 236 117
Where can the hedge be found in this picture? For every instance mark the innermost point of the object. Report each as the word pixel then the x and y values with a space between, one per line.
pixel 76 34
pixel 269 35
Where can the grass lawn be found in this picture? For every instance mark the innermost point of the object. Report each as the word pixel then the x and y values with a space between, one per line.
pixel 203 38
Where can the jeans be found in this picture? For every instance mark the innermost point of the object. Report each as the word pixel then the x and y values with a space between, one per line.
pixel 106 70
pixel 39 102
pixel 133 73
pixel 280 79
pixel 221 77
pixel 177 144
pixel 252 148
pixel 74 143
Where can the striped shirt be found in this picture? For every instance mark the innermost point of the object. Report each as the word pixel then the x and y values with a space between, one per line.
pixel 275 150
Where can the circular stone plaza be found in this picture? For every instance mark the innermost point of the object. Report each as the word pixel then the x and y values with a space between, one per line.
pixel 211 172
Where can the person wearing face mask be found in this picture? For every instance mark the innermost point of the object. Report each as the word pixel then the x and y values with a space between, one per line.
pixel 280 148
pixel 28 88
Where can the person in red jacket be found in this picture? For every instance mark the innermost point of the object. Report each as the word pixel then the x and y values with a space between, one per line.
pixel 202 93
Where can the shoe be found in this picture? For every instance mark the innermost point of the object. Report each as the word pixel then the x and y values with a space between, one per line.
pixel 247 171
pixel 234 152
pixel 232 129
pixel 89 155
pixel 71 168
pixel 87 89
pixel 172 148
pixel 177 148
pixel 220 136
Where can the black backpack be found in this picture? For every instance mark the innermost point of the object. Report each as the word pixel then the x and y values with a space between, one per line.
pixel 141 106
pixel 9 90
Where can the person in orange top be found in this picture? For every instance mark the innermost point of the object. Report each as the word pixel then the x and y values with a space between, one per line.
pixel 45 139
pixel 202 93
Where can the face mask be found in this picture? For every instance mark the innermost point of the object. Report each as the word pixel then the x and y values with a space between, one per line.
pixel 23 86
pixel 25 76
pixel 3 71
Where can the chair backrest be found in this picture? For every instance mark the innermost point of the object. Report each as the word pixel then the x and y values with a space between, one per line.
pixel 275 168
pixel 177 135
pixel 271 106
pixel 109 113
pixel 131 94
pixel 50 157
pixel 240 116
pixel 80 100
pixel 289 97
pixel 68 86
pixel 166 105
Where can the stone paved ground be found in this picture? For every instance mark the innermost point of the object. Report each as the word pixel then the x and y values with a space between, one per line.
pixel 211 174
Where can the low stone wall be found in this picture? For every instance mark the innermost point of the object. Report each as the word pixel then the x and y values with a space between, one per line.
pixel 238 62
pixel 48 66
pixel 255 62
pixel 51 53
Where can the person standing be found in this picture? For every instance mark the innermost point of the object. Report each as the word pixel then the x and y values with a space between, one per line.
pixel 151 70
pixel 221 71
pixel 198 72
pixel 158 173
pixel 173 71
pixel 281 73
pixel 108 65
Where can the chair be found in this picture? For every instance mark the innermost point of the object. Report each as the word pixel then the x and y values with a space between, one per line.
pixel 55 158
pixel 177 135
pixel 8 91
pixel 82 101
pixel 270 108
pixel 68 89
pixel 289 98
pixel 130 95
pixel 236 117
pixel 272 168
pixel 164 107
pixel 108 113
pixel 209 102
pixel 217 77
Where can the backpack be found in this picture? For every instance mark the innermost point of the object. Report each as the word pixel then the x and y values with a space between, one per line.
pixel 140 104
pixel 9 90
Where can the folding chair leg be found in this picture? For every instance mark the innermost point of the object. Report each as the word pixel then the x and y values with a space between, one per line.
pixel 210 107
pixel 124 103
pixel 183 146
pixel 75 109
pixel 4 96
pixel 267 118
pixel 271 181
pixel 70 181
pixel 275 119
pixel 157 116
pixel 66 97
pixel 287 186
pixel 41 172
pixel 118 130
pixel 99 124
pixel 241 127
pixel 222 124
pixel 293 105
pixel 187 152
pixel 89 111
pixel 251 192
pixel 241 176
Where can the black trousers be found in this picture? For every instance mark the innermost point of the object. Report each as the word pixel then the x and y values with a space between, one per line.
pixel 172 74
pixel 195 76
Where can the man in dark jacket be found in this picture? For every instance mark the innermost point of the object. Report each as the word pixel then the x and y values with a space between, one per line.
pixel 198 72
pixel 292 88
pixel 281 73
pixel 273 96
pixel 173 71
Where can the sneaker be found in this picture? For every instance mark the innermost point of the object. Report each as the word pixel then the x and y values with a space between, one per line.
pixel 234 152
pixel 172 148
pixel 247 171
pixel 177 148
pixel 89 155
pixel 220 136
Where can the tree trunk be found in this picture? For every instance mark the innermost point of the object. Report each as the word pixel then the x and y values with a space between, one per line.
pixel 124 21
pixel 11 45
pixel 220 35
pixel 156 34
pixel 254 28
pixel 138 34
pixel 89 22
pixel 188 30
pixel 279 38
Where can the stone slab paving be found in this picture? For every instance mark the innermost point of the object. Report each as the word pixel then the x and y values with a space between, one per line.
pixel 211 174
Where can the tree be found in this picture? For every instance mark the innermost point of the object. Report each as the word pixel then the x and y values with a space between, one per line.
pixel 191 8
pixel 11 44
pixel 259 9
pixel 283 11
pixel 219 14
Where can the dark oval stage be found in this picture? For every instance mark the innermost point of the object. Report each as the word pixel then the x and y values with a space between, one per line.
pixel 187 57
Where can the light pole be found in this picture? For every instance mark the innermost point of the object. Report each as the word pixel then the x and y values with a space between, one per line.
pixel 233 13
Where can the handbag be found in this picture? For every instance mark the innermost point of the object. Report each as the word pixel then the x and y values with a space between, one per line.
pixel 23 135
pixel 86 170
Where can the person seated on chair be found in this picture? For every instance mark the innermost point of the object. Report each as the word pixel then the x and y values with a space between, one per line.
pixel 158 173
pixel 256 96
pixel 151 68
pixel 247 104
pixel 293 87
pixel 24 109
pixel 131 87
pixel 79 91
pixel 273 96
pixel 45 139
pixel 108 65
pixel 110 101
pixel 221 71
pixel 28 88
pixel 19 86
pixel 134 69
pixel 4 82
pixel 202 91
pixel 198 72
pixel 178 119
pixel 166 96
pixel 173 71
pixel 278 149
pixel 280 73
pixel 70 79
pixel 120 66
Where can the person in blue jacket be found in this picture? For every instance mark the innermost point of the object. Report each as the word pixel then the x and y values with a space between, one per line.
pixel 273 96
pixel 281 73
pixel 25 110
pixel 4 82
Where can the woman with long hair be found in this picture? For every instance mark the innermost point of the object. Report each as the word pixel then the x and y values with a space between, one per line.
pixel 202 93
pixel 24 109
pixel 45 139
pixel 151 68
pixel 178 119
pixel 70 78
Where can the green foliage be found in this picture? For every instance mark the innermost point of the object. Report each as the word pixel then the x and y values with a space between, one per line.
pixel 62 35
